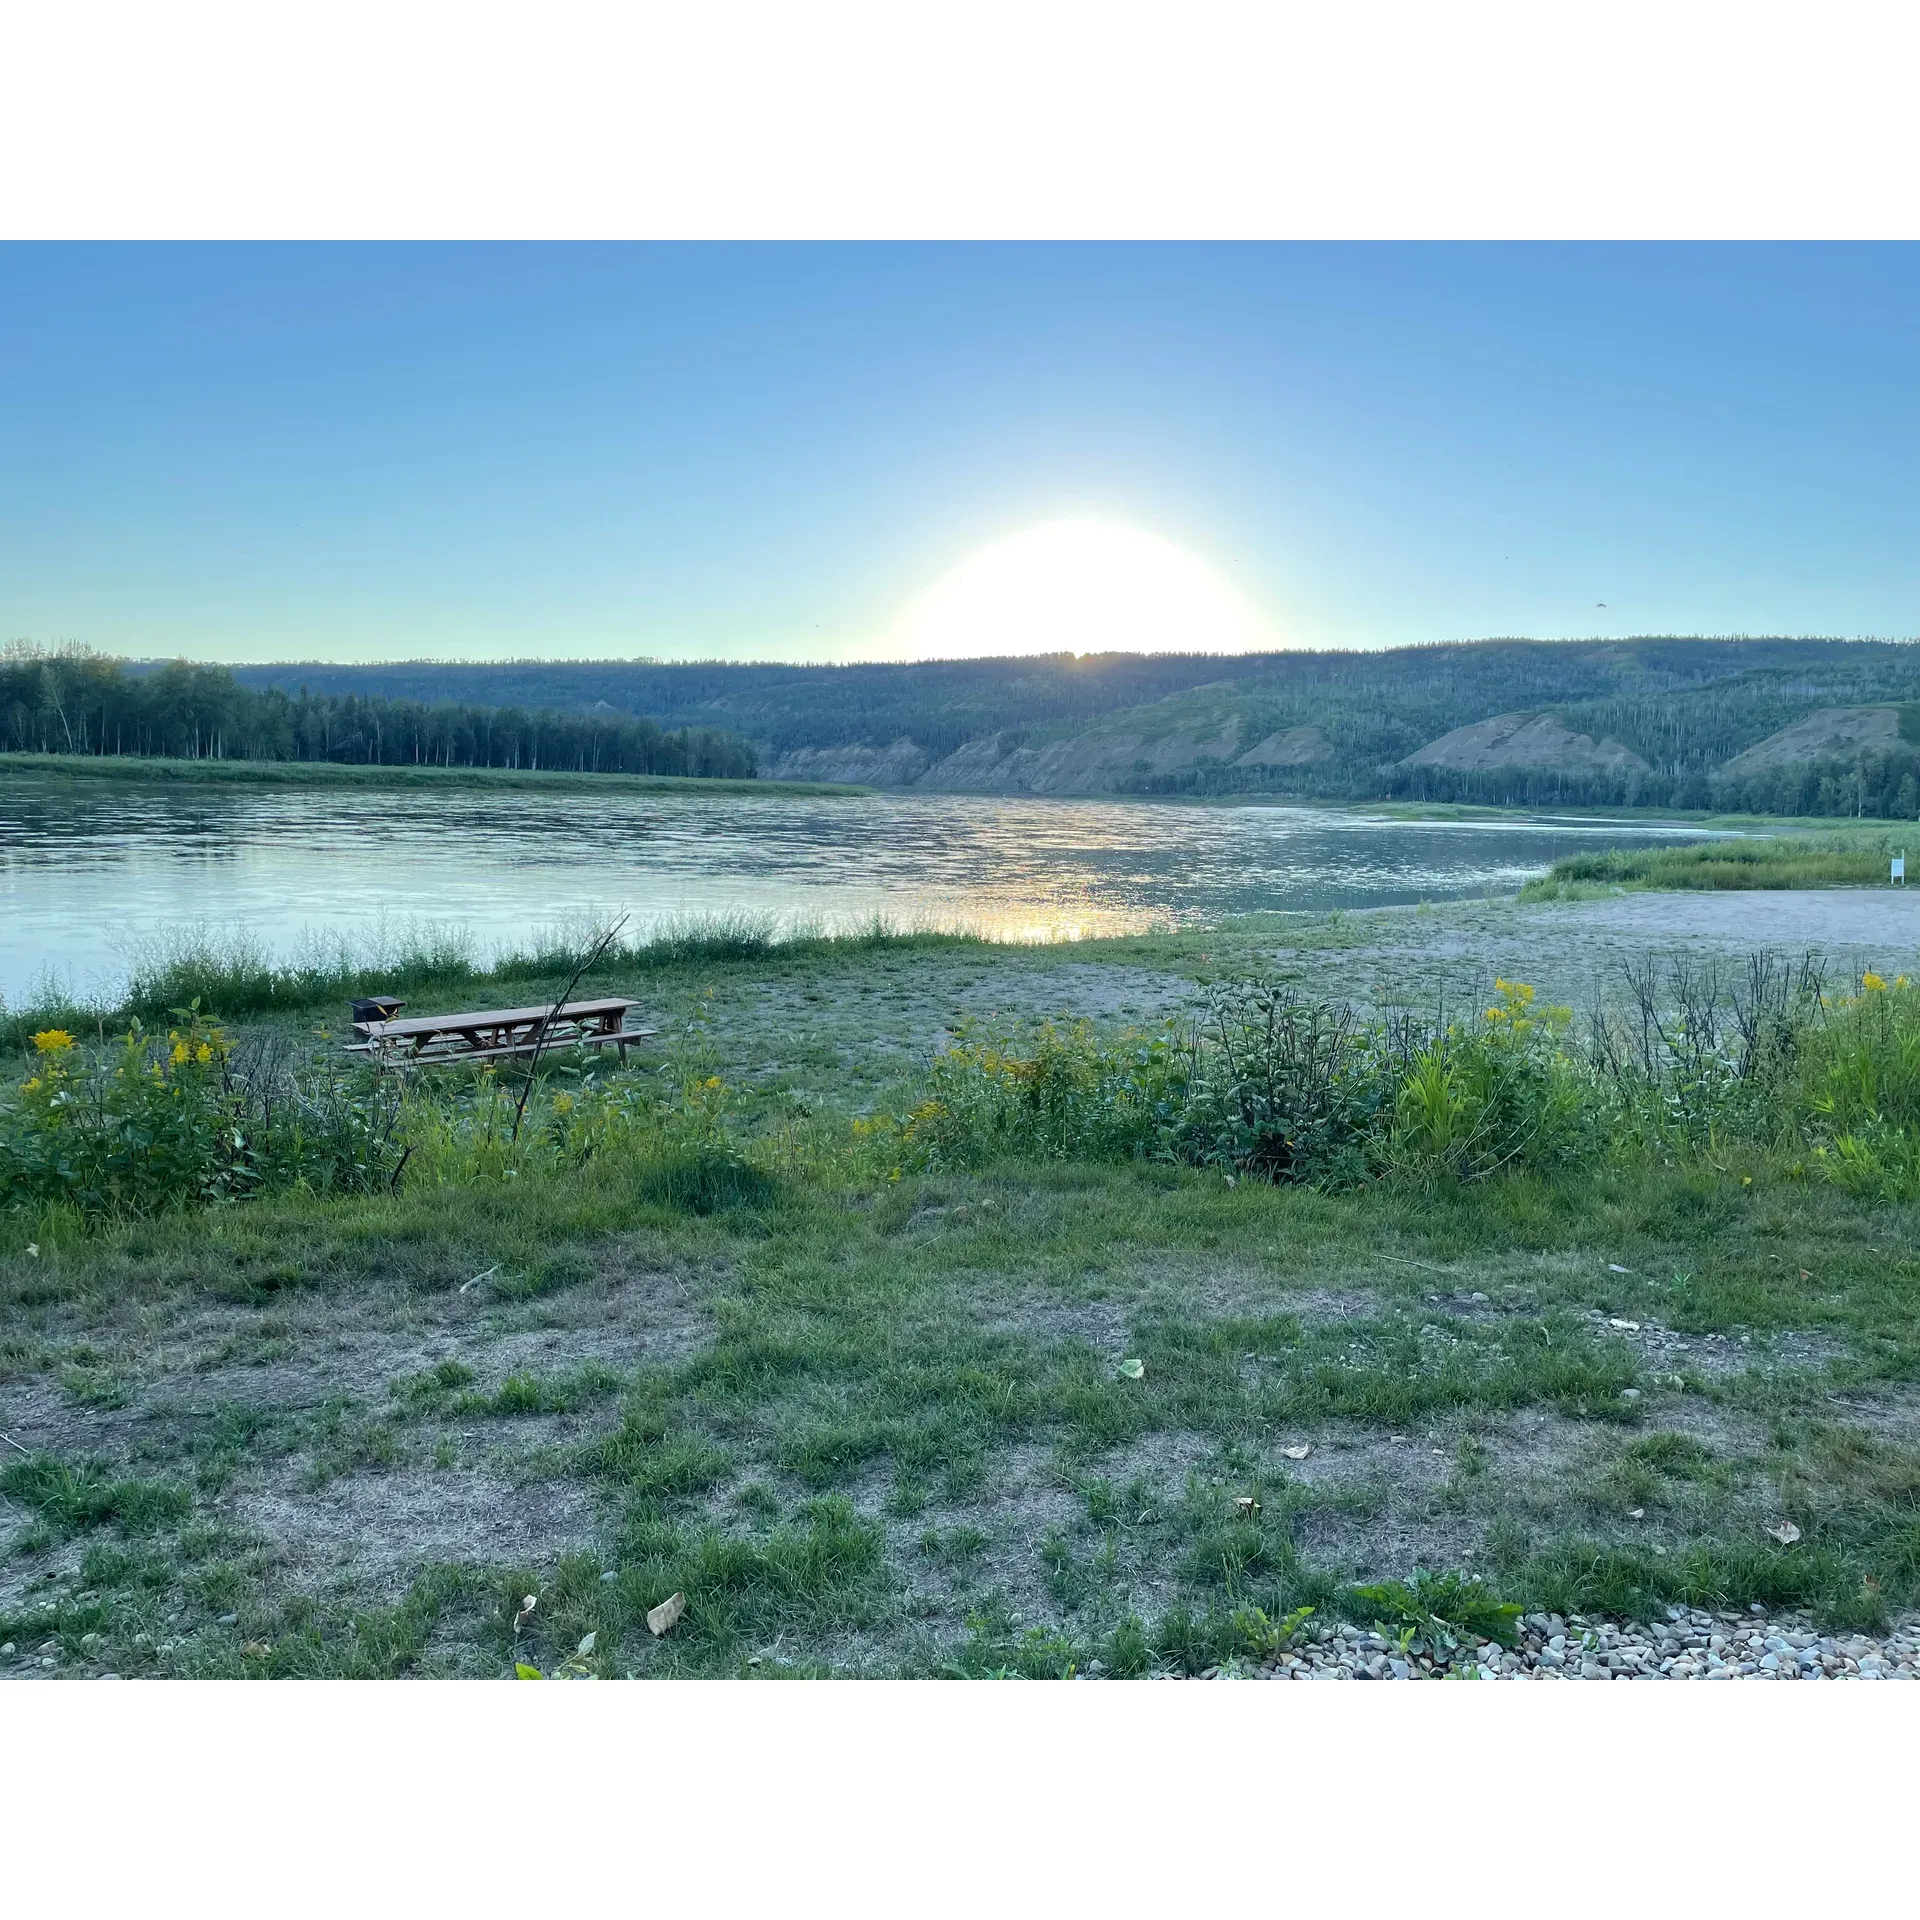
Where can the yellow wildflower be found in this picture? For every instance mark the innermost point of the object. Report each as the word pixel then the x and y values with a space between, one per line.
pixel 33 1085
pixel 1514 1010
pixel 563 1103
pixel 179 1054
pixel 1870 982
pixel 203 1053
pixel 54 1040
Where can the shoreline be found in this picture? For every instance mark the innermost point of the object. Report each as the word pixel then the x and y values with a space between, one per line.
pixel 130 767
pixel 330 773
pixel 1364 953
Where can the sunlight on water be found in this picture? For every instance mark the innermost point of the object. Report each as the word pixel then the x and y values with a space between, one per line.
pixel 90 869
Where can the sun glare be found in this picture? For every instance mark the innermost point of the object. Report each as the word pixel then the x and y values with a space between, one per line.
pixel 1079 586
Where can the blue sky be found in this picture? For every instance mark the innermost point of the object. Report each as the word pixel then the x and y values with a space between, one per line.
pixel 343 452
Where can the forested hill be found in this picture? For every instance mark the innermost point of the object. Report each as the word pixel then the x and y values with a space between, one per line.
pixel 939 705
pixel 1661 719
pixel 70 701
pixel 1794 726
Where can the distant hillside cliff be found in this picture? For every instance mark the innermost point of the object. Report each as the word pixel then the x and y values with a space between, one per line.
pixel 1833 730
pixel 1527 740
pixel 1111 760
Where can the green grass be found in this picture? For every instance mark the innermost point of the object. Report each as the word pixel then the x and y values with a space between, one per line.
pixel 1858 860
pixel 327 773
pixel 871 1418
pixel 68 1497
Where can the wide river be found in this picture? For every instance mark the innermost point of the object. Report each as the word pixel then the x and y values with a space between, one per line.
pixel 90 870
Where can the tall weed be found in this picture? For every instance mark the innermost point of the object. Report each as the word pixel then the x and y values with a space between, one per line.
pixel 1069 1096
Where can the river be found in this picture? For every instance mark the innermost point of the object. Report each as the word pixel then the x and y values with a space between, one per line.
pixel 90 869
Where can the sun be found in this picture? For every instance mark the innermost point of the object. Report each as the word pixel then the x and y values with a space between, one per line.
pixel 1079 586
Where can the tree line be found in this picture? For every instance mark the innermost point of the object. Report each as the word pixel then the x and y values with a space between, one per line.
pixel 70 700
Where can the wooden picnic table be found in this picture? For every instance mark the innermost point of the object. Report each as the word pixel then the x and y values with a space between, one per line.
pixel 501 1033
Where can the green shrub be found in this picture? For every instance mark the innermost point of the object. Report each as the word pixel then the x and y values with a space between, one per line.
pixel 1280 1087
pixel 1070 1097
pixel 150 1123
pixel 183 1120
pixel 1855 1093
pixel 1273 1086
pixel 1473 1102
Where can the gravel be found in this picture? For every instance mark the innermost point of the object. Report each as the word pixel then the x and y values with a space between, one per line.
pixel 1689 1644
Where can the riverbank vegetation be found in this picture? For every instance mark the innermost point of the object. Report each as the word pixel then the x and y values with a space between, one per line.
pixel 1063 1334
pixel 325 774
pixel 1852 860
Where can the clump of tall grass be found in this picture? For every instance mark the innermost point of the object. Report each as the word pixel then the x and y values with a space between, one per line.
pixel 741 934
pixel 234 974
pixel 1853 860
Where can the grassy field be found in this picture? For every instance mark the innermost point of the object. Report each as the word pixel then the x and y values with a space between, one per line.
pixel 873 1411
pixel 316 773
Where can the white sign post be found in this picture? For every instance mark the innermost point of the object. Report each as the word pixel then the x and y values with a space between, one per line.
pixel 1899 870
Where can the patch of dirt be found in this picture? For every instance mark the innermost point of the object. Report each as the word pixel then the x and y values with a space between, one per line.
pixel 373 1533
pixel 1292 747
pixel 1080 990
pixel 897 1022
pixel 1162 1460
pixel 40 1417
pixel 1884 920
pixel 1719 1355
pixel 1026 1499
pixel 1100 1325
pixel 1889 1413
pixel 1317 1306
pixel 651 1316
pixel 648 1315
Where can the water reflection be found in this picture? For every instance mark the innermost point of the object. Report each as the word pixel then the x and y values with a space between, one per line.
pixel 86 867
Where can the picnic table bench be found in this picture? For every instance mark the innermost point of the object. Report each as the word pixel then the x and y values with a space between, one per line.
pixel 501 1033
